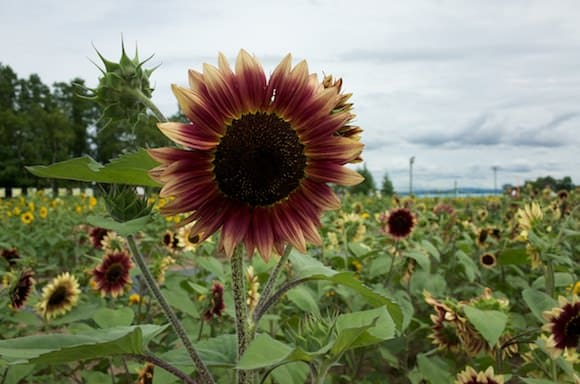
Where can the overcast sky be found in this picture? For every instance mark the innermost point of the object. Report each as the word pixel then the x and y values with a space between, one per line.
pixel 460 85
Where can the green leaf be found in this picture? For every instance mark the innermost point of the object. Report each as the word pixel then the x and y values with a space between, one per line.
pixel 212 265
pixel 469 266
pixel 537 381
pixel 304 299
pixel 513 256
pixel 359 249
pixel 109 318
pixel 421 258
pixel 433 370
pixel 62 348
pixel 291 373
pixel 538 302
pixel 363 328
pixel 430 248
pixel 490 324
pixel 308 268
pixel 124 229
pixel 218 351
pixel 130 168
pixel 264 351
pixel 561 279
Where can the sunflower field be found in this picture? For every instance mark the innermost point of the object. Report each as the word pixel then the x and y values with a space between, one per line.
pixel 237 254
pixel 477 282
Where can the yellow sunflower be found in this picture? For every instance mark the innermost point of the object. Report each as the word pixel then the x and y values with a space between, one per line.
pixel 59 296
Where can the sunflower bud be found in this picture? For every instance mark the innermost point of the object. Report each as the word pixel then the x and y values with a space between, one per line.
pixel 121 87
pixel 123 203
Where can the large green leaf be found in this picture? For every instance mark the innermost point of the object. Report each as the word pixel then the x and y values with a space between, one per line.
pixel 124 229
pixel 62 348
pixel 433 369
pixel 490 324
pixel 308 268
pixel 130 168
pixel 108 318
pixel 304 299
pixel 470 268
pixel 515 256
pixel 218 351
pixel 538 302
pixel 264 351
pixel 359 329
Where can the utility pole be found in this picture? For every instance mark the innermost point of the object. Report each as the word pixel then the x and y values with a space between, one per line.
pixel 495 169
pixel 411 161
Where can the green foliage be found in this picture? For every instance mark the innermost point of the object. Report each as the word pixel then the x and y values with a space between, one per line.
pixel 367 186
pixel 387 188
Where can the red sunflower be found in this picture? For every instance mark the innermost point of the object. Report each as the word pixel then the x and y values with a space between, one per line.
pixel 258 154
pixel 112 276
pixel 563 324
pixel 398 223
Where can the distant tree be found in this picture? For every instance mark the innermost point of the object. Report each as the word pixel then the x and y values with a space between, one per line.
pixel 387 186
pixel 550 182
pixel 367 186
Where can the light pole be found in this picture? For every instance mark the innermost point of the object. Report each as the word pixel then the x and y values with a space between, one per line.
pixel 495 169
pixel 411 161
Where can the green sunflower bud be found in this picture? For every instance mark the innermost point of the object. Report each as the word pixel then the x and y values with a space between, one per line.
pixel 124 204
pixel 122 88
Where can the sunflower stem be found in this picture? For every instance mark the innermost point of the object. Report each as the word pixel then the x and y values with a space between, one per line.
pixel 549 278
pixel 149 104
pixel 202 370
pixel 276 296
pixel 272 281
pixel 241 310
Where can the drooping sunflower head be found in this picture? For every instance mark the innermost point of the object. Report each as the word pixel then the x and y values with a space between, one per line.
pixel 11 256
pixel 257 154
pixel 471 376
pixel 21 291
pixel 563 324
pixel 399 223
pixel 113 275
pixel 59 296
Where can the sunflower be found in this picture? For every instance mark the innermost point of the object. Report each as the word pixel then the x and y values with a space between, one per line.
pixel 59 296
pixel 97 235
pixel 488 260
pixel 42 212
pixel 21 290
pixel 258 154
pixel 529 216
pixel 398 223
pixel 112 276
pixel 217 305
pixel 471 376
pixel 27 218
pixel 563 324
pixel 11 256
pixel 145 375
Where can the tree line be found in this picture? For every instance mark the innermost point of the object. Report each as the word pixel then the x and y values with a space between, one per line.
pixel 41 124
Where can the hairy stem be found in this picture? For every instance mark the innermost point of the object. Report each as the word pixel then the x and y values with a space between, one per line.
pixel 202 370
pixel 241 310
pixel 272 281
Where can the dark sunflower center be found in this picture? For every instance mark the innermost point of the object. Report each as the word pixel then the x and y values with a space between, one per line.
pixel 114 272
pixel 260 160
pixel 487 259
pixel 573 330
pixel 59 296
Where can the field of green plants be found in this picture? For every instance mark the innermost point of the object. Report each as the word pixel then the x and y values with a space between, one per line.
pixel 410 290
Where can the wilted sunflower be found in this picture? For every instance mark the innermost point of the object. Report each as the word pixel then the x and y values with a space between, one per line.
pixel 258 154
pixel 471 376
pixel 21 290
pixel 563 324
pixel 97 235
pixel 217 305
pixel 113 275
pixel 145 375
pixel 59 296
pixel 399 223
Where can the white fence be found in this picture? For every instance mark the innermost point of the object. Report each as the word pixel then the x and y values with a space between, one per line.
pixel 59 192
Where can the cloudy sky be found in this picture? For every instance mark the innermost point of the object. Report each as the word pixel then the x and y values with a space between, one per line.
pixel 460 85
